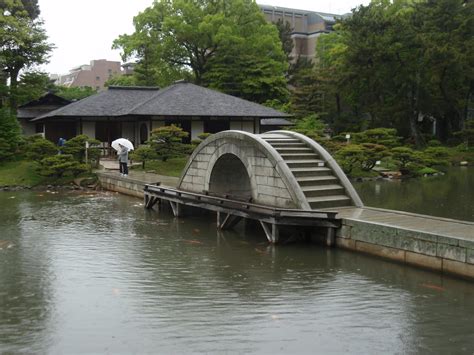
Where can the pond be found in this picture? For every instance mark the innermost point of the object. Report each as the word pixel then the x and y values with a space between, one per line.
pixel 450 195
pixel 96 273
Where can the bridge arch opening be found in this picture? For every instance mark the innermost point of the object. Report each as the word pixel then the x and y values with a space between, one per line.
pixel 229 176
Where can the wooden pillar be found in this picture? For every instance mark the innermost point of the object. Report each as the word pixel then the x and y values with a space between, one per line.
pixel 177 209
pixel 330 236
pixel 227 220
pixel 271 231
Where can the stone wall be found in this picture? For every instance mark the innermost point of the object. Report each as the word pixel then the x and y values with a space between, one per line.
pixel 436 252
pixel 266 181
pixel 120 184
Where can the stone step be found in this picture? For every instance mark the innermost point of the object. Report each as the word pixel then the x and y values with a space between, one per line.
pixel 299 156
pixel 289 145
pixel 316 180
pixel 317 171
pixel 323 190
pixel 308 163
pixel 328 201
pixel 285 150
pixel 280 140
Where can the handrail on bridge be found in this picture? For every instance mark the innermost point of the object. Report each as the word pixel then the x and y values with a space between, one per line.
pixel 229 201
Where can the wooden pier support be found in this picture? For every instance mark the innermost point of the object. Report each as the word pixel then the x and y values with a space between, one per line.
pixel 227 220
pixel 271 231
pixel 150 201
pixel 231 211
pixel 176 207
pixel 331 237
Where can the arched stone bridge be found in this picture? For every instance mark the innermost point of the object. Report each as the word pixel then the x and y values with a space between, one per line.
pixel 280 168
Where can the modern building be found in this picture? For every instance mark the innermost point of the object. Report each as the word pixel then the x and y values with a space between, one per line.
pixel 132 112
pixel 306 26
pixel 93 75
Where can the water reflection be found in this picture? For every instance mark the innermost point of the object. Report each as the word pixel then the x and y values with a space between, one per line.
pixel 448 196
pixel 94 274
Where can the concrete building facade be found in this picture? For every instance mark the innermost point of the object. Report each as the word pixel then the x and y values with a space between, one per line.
pixel 93 75
pixel 306 26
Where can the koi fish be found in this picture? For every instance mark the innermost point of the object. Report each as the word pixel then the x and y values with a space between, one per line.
pixel 192 241
pixel 433 287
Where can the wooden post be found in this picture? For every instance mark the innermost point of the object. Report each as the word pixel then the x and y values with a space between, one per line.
pixel 227 220
pixel 330 236
pixel 271 231
pixel 176 207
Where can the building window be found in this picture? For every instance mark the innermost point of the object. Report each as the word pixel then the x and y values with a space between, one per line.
pixel 97 78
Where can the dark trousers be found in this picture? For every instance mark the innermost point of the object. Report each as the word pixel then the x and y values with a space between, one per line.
pixel 123 168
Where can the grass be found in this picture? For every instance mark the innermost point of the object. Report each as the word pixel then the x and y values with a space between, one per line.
pixel 19 173
pixel 171 167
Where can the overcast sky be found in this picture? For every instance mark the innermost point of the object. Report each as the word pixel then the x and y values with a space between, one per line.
pixel 83 30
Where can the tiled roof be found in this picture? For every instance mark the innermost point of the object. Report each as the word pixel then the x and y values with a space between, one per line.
pixel 179 99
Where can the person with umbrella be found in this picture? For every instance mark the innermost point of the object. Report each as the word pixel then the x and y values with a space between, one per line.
pixel 123 160
pixel 122 146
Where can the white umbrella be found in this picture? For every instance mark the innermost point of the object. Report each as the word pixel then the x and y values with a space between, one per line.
pixel 122 141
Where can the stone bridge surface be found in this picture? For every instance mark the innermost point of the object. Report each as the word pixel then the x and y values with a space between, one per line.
pixel 280 168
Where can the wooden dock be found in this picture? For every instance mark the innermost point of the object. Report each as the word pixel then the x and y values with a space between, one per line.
pixel 231 210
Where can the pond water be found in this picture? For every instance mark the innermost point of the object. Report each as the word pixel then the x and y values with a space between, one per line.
pixel 96 273
pixel 450 195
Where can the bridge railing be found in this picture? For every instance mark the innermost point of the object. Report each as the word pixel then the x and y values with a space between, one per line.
pixel 229 205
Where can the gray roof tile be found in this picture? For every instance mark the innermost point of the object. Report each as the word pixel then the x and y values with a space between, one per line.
pixel 179 99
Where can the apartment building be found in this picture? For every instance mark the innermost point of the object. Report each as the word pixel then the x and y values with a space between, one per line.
pixel 307 26
pixel 93 75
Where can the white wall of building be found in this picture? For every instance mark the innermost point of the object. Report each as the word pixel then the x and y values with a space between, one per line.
pixel 197 127
pixel 88 128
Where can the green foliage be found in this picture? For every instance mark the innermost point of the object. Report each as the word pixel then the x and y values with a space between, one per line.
pixel 23 42
pixel 350 156
pixel 384 136
pixel 201 137
pixel 61 165
pixel 19 173
pixel 166 142
pixel 38 148
pixel 32 85
pixel 143 154
pixel 372 154
pixel 170 167
pixel 310 126
pixel 73 93
pixel 10 134
pixel 76 147
pixel 400 64
pixel 403 156
pixel 467 134
pixel 435 156
pixel 122 80
pixel 427 171
pixel 226 45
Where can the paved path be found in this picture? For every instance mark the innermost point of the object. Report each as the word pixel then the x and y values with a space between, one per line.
pixel 410 221
pixel 112 167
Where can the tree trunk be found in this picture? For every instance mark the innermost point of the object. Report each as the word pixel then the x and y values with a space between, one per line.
pixel 13 88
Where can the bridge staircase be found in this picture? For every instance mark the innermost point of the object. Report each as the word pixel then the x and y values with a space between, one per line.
pixel 320 185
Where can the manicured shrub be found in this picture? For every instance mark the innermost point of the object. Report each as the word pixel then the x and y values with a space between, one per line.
pixel 77 148
pixel 143 154
pixel 166 142
pixel 61 165
pixel 38 148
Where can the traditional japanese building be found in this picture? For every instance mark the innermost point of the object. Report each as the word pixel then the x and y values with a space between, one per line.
pixel 132 112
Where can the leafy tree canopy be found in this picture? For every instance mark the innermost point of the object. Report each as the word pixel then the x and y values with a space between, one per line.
pixel 23 42
pixel 226 45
